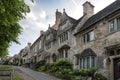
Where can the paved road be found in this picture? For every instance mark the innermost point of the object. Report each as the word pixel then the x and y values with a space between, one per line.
pixel 34 74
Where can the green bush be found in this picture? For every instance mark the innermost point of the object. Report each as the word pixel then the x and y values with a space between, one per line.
pixel 76 78
pixel 64 74
pixel 76 72
pixel 84 72
pixel 99 76
pixel 92 71
pixel 63 63
pixel 40 63
pixel 42 68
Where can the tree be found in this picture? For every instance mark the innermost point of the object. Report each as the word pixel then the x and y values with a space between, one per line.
pixel 11 12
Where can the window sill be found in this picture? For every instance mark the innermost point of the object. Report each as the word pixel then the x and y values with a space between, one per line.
pixel 88 42
pixel 110 33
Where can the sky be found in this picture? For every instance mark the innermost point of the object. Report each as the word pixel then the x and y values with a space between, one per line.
pixel 43 13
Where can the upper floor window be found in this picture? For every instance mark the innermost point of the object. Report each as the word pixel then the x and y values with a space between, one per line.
pixel 118 23
pixel 40 45
pixel 88 37
pixel 35 48
pixel 64 37
pixel 48 46
pixel 48 36
pixel 111 26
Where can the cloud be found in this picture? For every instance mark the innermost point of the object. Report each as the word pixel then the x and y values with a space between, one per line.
pixel 43 14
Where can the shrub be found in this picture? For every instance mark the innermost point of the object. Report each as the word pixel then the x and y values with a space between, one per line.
pixel 84 72
pixel 76 72
pixel 92 71
pixel 63 63
pixel 38 64
pixel 42 68
pixel 76 78
pixel 99 76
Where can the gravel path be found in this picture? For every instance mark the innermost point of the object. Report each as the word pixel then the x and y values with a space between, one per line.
pixel 33 75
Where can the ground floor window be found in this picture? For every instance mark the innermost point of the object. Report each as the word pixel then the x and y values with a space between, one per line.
pixel 87 62
pixel 63 53
pixel 54 58
pixel 118 52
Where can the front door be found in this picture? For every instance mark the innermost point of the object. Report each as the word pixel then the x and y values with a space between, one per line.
pixel 117 69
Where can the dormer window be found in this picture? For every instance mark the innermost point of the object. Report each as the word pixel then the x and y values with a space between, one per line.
pixel 63 37
pixel 111 26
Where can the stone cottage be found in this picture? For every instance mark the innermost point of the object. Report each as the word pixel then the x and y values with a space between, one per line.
pixel 98 40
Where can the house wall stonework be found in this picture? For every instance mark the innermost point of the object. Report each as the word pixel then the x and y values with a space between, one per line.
pixel 103 38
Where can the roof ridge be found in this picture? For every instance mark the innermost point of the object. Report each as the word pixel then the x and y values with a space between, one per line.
pixel 101 14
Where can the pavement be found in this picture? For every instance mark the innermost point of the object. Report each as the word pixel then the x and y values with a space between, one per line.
pixel 29 74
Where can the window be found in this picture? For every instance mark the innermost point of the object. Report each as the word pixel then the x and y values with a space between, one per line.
pixel 112 53
pixel 35 49
pixel 64 37
pixel 86 62
pixel 93 62
pixel 64 53
pixel 111 26
pixel 83 62
pixel 54 58
pixel 40 45
pixel 48 36
pixel 91 35
pixel 88 37
pixel 118 23
pixel 48 46
pixel 80 63
pixel 118 52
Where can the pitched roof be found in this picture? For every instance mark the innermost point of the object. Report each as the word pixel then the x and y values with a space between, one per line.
pixel 50 31
pixel 100 15
pixel 65 17
pixel 86 52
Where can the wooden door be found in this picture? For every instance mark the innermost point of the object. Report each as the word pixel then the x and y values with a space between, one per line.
pixel 117 69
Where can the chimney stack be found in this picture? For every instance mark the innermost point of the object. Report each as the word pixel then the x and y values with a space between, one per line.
pixel 58 16
pixel 88 9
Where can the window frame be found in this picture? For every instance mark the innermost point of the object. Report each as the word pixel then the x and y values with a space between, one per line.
pixel 87 62
pixel 87 36
pixel 118 24
pixel 111 22
pixel 63 37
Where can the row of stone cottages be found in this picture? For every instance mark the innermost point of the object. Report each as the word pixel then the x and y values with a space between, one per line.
pixel 91 41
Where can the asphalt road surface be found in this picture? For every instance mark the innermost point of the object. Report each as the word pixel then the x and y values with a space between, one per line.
pixel 29 74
